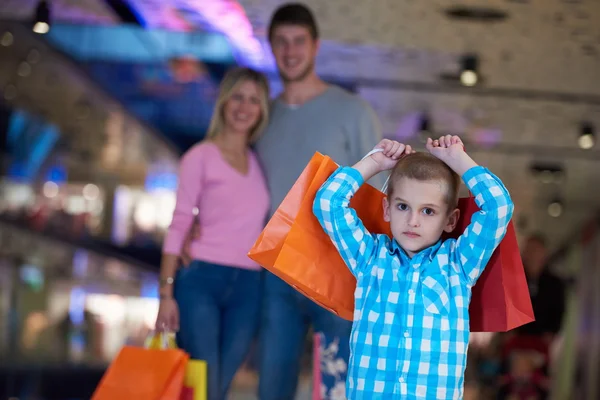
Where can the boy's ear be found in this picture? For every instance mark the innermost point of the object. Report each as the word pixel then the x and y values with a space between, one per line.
pixel 386 209
pixel 452 220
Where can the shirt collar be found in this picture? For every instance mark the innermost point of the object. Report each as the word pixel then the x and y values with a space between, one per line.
pixel 427 253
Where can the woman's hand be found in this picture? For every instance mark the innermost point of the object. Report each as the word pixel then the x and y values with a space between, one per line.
pixel 168 316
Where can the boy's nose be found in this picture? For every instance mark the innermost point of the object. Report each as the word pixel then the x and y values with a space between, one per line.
pixel 414 220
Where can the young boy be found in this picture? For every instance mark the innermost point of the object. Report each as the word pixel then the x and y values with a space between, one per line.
pixel 411 320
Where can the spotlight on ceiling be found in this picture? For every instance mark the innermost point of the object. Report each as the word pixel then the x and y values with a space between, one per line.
pixel 587 136
pixel 41 21
pixel 475 14
pixel 548 172
pixel 555 208
pixel 469 75
pixel 7 39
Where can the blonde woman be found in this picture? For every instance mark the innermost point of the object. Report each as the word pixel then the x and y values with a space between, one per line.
pixel 213 303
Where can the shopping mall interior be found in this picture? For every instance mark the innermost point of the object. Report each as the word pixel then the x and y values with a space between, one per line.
pixel 100 98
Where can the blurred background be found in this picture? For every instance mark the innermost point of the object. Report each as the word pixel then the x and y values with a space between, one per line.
pixel 99 98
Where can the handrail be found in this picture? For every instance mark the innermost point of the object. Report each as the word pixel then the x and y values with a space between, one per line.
pixel 145 258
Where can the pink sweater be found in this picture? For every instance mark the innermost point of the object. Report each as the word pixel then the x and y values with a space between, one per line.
pixel 232 207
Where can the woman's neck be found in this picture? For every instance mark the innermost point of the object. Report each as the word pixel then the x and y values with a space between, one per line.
pixel 231 142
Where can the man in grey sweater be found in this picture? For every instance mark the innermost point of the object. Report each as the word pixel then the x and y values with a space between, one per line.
pixel 308 116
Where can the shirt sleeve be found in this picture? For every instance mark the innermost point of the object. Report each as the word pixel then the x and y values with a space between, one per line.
pixel 488 226
pixel 347 232
pixel 189 189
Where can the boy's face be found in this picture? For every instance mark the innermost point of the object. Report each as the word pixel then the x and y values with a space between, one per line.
pixel 418 213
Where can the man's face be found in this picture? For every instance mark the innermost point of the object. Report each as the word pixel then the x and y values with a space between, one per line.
pixel 295 51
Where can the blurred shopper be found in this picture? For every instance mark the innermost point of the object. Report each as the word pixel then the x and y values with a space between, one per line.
pixel 526 350
pixel 213 302
pixel 547 291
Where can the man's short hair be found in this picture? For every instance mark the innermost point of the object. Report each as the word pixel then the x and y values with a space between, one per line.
pixel 426 167
pixel 294 14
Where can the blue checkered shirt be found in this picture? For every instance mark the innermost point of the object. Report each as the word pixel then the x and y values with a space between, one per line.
pixel 411 319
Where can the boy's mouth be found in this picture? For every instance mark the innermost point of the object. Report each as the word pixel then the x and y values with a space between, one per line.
pixel 411 234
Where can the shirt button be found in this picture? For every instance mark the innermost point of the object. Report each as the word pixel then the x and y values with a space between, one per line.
pixel 411 291
pixel 406 334
pixel 401 379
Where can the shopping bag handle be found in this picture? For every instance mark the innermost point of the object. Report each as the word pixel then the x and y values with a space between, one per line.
pixel 385 184
pixel 387 180
pixel 160 340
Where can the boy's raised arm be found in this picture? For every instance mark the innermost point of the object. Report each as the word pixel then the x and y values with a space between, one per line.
pixel 488 226
pixel 347 232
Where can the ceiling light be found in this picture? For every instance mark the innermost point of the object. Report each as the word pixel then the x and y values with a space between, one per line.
pixel 24 69
pixel 7 39
pixel 587 136
pixel 10 92
pixel 469 75
pixel 555 208
pixel 548 172
pixel 33 57
pixel 476 14
pixel 41 21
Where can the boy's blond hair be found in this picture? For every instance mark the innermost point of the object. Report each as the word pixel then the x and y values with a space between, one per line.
pixel 426 167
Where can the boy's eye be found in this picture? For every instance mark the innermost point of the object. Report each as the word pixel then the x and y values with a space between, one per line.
pixel 402 207
pixel 428 211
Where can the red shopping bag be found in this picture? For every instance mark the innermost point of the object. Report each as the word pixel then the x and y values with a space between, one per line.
pixel 294 247
pixel 500 299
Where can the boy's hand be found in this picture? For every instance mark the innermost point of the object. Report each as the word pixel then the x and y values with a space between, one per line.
pixel 445 147
pixel 391 154
pixel 450 149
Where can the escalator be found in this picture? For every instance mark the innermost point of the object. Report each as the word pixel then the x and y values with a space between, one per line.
pixel 89 156
pixel 109 105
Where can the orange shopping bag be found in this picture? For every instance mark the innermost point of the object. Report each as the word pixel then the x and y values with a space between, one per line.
pixel 144 374
pixel 294 247
pixel 304 256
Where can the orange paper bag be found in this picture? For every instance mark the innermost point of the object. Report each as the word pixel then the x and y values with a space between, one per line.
pixel 294 247
pixel 304 256
pixel 143 374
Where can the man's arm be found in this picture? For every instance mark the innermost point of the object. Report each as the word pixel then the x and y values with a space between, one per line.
pixel 366 133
